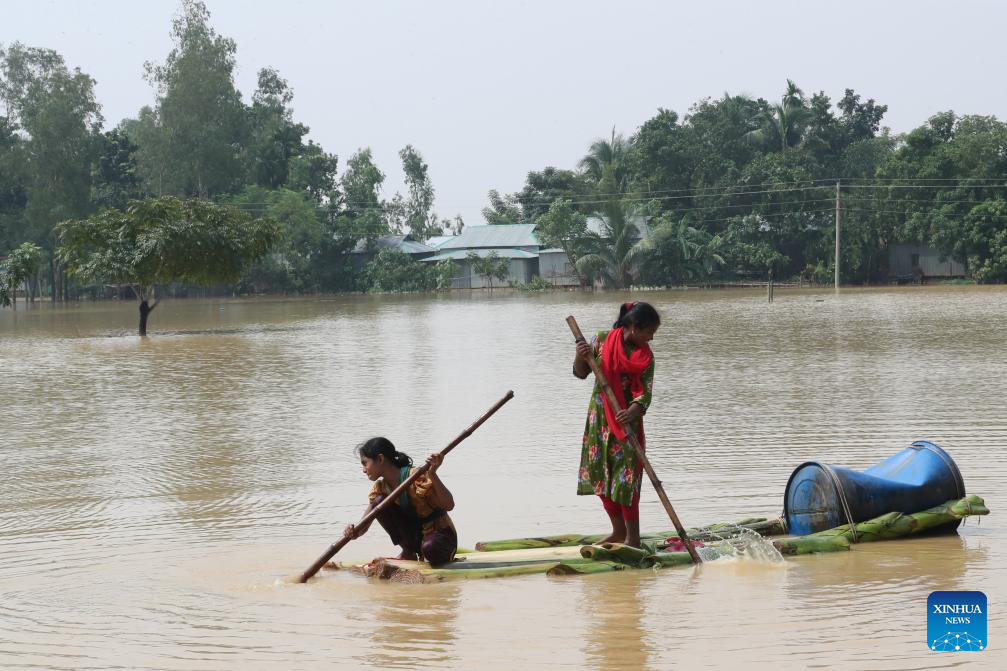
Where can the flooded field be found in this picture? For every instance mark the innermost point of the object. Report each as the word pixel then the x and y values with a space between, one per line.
pixel 159 492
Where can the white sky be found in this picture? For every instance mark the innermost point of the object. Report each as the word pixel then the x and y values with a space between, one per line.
pixel 488 91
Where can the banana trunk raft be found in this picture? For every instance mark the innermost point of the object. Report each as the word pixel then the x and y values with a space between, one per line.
pixel 575 554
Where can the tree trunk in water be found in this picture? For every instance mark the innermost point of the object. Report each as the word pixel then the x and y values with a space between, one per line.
pixel 144 313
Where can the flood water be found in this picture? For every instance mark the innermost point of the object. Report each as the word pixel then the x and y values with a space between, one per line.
pixel 157 493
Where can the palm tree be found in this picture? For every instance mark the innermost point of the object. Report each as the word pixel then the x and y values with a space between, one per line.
pixel 784 124
pixel 615 255
pixel 605 163
pixel 676 252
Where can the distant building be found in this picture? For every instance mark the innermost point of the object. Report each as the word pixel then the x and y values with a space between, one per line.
pixel 515 242
pixel 363 253
pixel 917 262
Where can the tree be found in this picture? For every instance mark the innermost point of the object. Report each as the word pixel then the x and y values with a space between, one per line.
pixel 784 125
pixel 615 255
pixel 490 266
pixel 313 171
pixel 416 210
pixel 605 164
pixel 55 111
pixel 503 210
pixel 115 175
pixel 545 187
pixel 19 267
pixel 291 264
pixel 564 227
pixel 274 138
pixel 162 240
pixel 200 121
pixel 392 270
pixel 676 253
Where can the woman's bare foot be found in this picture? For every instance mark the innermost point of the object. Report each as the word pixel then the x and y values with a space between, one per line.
pixel 618 534
pixel 409 556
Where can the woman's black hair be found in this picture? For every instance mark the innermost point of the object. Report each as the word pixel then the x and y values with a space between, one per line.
pixel 638 314
pixel 381 446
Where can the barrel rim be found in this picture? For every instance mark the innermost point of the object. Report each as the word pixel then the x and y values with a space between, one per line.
pixel 948 461
pixel 790 480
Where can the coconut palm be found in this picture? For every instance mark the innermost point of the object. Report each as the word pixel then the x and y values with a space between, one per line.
pixel 676 252
pixel 783 125
pixel 605 163
pixel 616 252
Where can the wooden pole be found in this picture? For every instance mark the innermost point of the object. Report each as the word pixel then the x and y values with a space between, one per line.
pixel 394 495
pixel 634 443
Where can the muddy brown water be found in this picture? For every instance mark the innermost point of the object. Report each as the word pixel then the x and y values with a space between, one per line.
pixel 158 492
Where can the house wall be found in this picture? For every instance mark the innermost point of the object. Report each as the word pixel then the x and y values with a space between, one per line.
pixel 520 271
pixel 902 256
pixel 555 268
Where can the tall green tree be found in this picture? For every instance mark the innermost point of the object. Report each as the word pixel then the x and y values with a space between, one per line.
pixel 55 111
pixel 416 210
pixel 274 137
pixel 199 120
pixel 162 240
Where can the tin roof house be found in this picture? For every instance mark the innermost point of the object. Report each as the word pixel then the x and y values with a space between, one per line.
pixel 517 243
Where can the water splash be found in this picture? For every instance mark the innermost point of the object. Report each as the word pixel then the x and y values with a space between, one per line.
pixel 738 543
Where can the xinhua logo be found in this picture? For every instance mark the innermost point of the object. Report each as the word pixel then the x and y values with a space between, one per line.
pixel 956 621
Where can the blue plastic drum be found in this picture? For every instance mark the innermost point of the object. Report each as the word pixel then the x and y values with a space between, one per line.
pixel 820 496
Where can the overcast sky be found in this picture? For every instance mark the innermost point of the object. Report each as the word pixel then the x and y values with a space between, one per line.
pixel 488 91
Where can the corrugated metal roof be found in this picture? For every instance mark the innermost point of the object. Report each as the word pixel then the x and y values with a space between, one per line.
pixel 503 235
pixel 400 243
pixel 438 240
pixel 460 254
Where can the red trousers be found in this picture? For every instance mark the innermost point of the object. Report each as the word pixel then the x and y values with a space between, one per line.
pixel 628 513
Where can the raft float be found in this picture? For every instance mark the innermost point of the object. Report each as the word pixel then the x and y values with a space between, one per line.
pixel 826 509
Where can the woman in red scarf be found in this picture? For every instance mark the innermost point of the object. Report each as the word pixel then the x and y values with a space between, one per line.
pixel 609 468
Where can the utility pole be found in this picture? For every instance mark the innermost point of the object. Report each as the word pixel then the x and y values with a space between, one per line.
pixel 837 234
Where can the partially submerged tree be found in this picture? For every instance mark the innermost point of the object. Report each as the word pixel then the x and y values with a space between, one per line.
pixel 20 266
pixel 162 240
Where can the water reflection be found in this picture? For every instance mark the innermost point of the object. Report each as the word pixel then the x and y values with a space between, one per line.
pixel 414 626
pixel 615 611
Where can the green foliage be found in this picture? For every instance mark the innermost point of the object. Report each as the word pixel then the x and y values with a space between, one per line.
pixel 313 171
pixel 190 142
pixel 676 254
pixel 503 210
pixel 394 271
pixel 162 240
pixel 615 255
pixel 274 138
pixel 490 266
pixel 536 284
pixel 58 117
pixel 19 266
pixel 415 211
pixel 292 264
pixel 115 175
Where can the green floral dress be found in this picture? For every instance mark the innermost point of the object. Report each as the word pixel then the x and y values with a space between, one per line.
pixel 609 467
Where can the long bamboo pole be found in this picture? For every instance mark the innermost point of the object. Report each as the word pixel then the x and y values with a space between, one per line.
pixel 634 443
pixel 394 495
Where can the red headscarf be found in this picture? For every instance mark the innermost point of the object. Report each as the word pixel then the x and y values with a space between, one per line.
pixel 615 365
